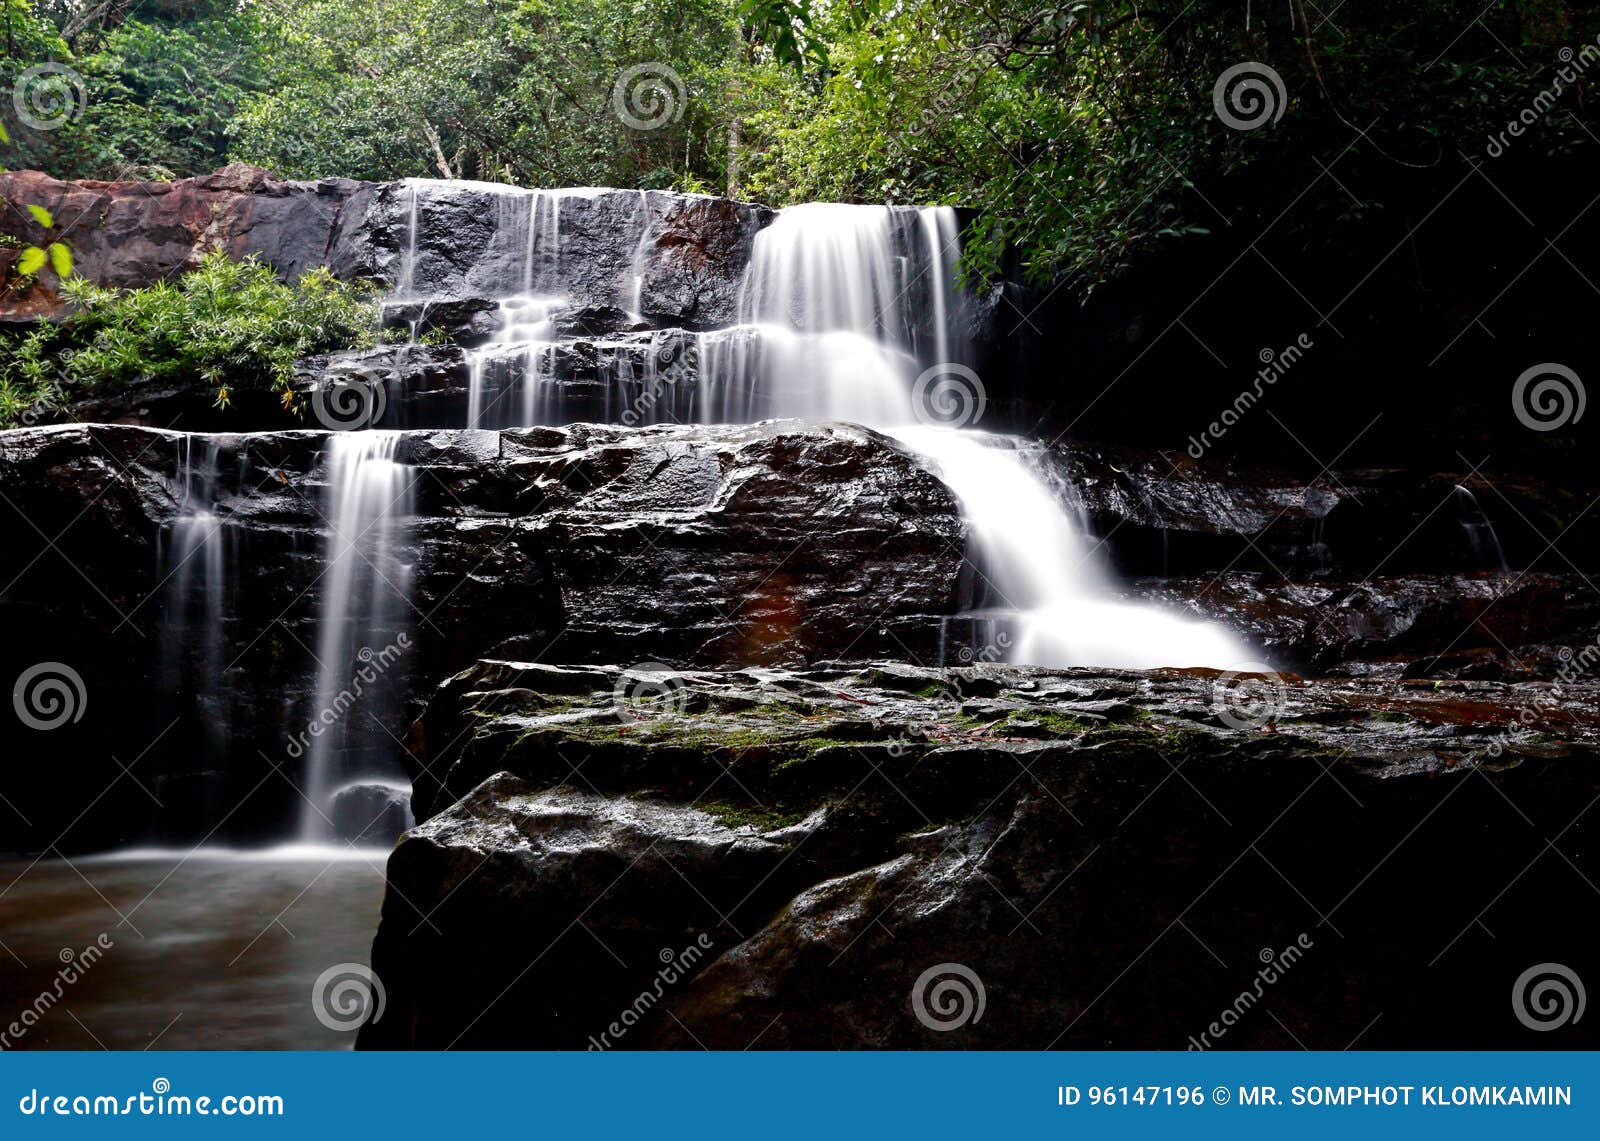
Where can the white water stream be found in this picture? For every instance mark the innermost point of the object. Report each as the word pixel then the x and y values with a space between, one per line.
pixel 841 309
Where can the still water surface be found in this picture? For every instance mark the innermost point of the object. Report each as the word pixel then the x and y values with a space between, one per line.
pixel 210 950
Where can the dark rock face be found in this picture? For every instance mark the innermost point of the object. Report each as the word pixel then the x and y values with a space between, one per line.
pixel 455 246
pixel 776 543
pixel 137 233
pixel 1513 625
pixel 1113 858
pixel 449 243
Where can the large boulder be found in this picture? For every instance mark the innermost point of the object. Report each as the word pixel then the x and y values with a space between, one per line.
pixel 894 857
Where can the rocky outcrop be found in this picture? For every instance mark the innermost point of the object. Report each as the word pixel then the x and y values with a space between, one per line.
pixel 777 543
pixel 138 233
pixel 1087 858
pixel 446 249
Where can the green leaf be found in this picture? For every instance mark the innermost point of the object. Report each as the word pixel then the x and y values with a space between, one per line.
pixel 31 261
pixel 43 216
pixel 60 259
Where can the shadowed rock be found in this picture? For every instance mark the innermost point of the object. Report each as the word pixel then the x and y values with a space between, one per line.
pixel 1114 857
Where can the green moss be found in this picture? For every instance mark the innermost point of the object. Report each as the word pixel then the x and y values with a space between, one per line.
pixel 763 818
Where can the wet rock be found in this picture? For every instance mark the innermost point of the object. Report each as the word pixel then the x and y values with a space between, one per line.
pixel 779 542
pixel 137 233
pixel 370 813
pixel 1513 625
pixel 676 259
pixel 1086 858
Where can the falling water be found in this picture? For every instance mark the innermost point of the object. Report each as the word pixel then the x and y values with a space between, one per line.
pixel 406 280
pixel 192 562
pixel 843 314
pixel 835 328
pixel 1479 531
pixel 361 622
pixel 520 358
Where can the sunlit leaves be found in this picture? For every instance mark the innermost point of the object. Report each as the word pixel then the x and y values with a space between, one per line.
pixel 230 325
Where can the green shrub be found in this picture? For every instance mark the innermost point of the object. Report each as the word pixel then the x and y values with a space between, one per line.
pixel 231 325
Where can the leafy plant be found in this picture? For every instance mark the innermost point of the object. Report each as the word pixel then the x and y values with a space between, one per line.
pixel 227 324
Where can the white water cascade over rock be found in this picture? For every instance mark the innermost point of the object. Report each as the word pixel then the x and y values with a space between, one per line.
pixel 363 628
pixel 192 564
pixel 845 313
pixel 827 278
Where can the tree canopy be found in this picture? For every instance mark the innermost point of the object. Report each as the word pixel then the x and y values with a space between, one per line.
pixel 1082 131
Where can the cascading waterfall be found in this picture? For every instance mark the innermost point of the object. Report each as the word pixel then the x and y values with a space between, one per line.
pixel 1479 530
pixel 838 324
pixel 192 561
pixel 362 625
pixel 521 356
pixel 845 313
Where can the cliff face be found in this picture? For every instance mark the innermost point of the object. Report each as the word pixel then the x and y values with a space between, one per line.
pixel 132 234
pixel 691 545
pixel 849 859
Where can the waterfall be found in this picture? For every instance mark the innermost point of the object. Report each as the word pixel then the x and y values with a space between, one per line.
pixel 520 358
pixel 827 273
pixel 406 279
pixel 844 313
pixel 1480 534
pixel 192 563
pixel 362 625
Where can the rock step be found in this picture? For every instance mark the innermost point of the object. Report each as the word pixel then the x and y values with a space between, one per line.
pixel 1113 857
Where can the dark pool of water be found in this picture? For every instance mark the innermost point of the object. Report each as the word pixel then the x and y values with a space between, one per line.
pixel 206 950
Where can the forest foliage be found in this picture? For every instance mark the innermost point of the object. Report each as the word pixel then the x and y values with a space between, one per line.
pixel 1082 131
